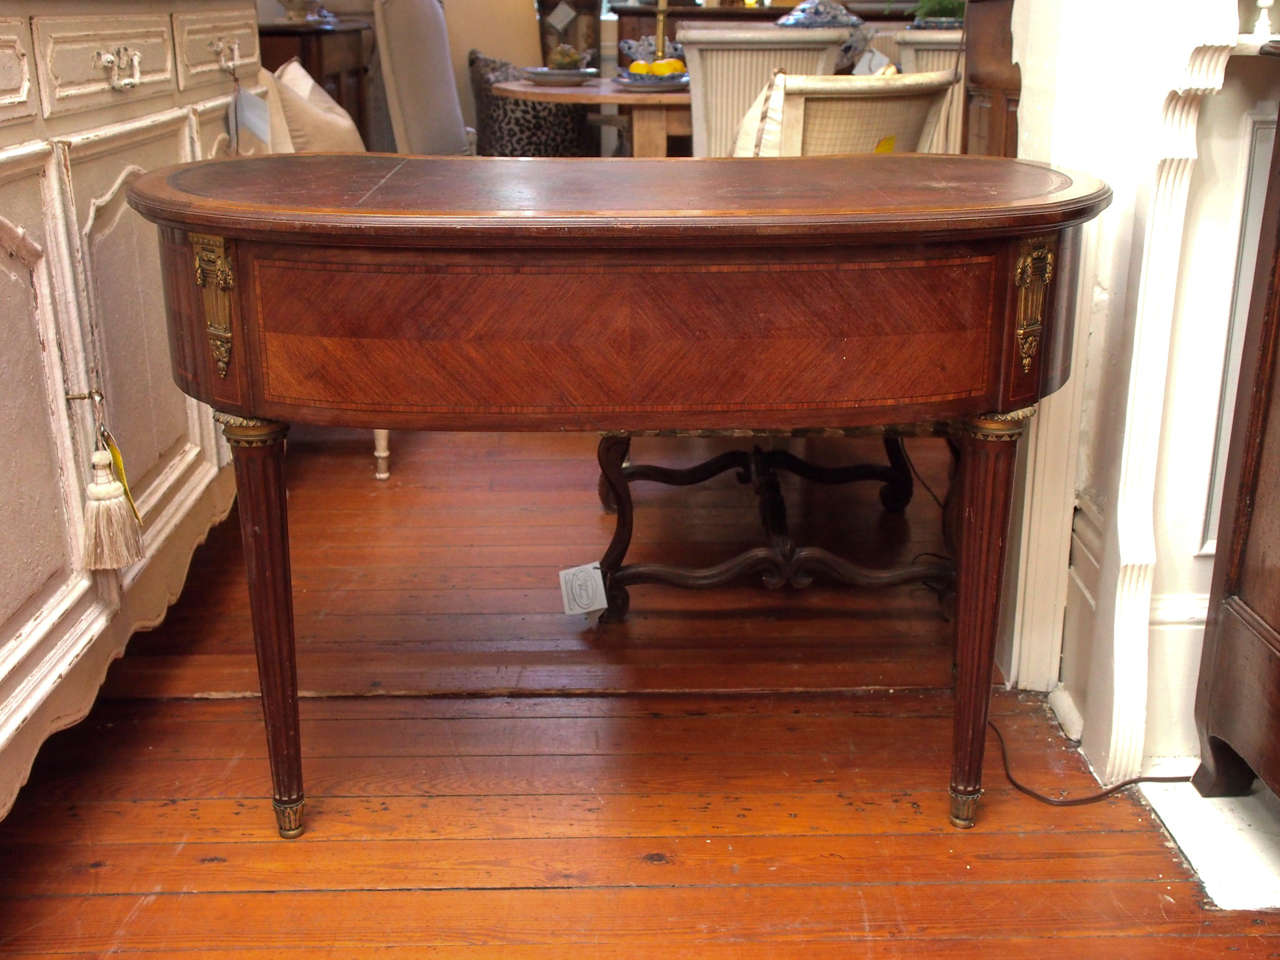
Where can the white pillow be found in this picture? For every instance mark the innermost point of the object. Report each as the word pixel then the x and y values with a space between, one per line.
pixel 760 132
pixel 316 123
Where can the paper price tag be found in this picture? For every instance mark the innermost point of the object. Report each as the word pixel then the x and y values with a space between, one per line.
pixel 117 462
pixel 582 589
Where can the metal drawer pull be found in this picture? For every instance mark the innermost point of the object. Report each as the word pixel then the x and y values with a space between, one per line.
pixel 228 52
pixel 113 60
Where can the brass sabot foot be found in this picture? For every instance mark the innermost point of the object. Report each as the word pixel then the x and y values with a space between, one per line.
pixel 289 818
pixel 964 808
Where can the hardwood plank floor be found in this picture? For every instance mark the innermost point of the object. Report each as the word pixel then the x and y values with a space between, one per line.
pixel 730 774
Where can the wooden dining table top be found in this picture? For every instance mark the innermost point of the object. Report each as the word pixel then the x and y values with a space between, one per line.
pixel 599 91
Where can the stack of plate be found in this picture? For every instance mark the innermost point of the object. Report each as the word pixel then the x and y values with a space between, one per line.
pixel 646 83
pixel 552 77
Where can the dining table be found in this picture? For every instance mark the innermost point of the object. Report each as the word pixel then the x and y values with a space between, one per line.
pixel 655 114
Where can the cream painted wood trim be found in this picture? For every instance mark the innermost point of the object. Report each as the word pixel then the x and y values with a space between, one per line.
pixel 1121 754
pixel 1144 411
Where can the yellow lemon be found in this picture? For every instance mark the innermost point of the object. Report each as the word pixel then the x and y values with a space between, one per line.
pixel 639 67
pixel 668 66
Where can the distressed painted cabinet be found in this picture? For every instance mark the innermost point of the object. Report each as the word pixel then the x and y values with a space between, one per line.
pixel 93 93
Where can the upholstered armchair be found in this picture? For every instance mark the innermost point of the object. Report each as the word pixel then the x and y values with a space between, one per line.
pixel 806 115
pixel 927 51
pixel 728 65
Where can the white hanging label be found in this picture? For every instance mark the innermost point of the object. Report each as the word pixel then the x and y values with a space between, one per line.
pixel 252 116
pixel 582 589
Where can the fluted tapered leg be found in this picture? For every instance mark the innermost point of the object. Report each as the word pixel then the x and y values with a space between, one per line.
pixel 257 447
pixel 987 449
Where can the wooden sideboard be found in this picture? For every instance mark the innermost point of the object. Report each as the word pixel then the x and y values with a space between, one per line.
pixel 92 94
pixel 446 293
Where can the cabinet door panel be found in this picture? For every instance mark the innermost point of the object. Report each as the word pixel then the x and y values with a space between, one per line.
pixel 34 535
pixel 152 419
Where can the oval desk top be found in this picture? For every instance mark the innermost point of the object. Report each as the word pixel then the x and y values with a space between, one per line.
pixel 428 201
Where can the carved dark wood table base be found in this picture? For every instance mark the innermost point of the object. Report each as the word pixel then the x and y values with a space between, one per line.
pixel 488 294
pixel 780 562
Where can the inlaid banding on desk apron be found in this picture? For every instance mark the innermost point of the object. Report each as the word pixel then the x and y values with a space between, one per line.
pixel 438 334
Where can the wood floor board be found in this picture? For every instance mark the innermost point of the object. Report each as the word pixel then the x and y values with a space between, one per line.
pixel 110 714
pixel 895 618
pixel 873 741
pixel 1197 946
pixel 138 776
pixel 646 918
pixel 236 675
pixel 556 862
pixel 429 812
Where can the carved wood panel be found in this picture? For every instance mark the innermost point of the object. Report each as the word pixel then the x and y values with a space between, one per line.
pixel 87 62
pixel 33 511
pixel 17 84
pixel 125 302
pixel 205 44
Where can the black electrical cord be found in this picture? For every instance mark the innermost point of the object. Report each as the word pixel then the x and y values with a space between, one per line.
pixel 1071 801
pixel 916 473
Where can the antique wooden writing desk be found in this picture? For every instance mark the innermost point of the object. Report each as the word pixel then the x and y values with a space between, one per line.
pixel 503 294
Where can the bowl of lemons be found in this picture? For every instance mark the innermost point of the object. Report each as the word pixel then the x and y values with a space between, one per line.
pixel 654 76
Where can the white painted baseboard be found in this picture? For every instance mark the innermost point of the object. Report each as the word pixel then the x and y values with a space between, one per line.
pixel 1064 708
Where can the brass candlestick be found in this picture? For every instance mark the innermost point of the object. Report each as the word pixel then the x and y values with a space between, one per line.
pixel 660 39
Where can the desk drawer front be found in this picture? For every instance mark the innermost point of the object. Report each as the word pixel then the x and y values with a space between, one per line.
pixel 658 338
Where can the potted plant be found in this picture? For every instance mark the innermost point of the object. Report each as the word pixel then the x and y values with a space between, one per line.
pixel 938 15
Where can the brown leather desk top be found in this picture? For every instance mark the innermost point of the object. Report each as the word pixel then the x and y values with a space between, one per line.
pixel 423 200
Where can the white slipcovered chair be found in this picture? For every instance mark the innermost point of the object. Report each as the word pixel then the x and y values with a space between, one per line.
pixel 925 51
pixel 805 116
pixel 729 63
pixel 417 75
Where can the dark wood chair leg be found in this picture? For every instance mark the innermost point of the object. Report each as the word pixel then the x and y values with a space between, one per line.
pixel 1221 773
pixel 612 454
pixel 605 493
pixel 896 494
pixel 257 447
pixel 987 449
